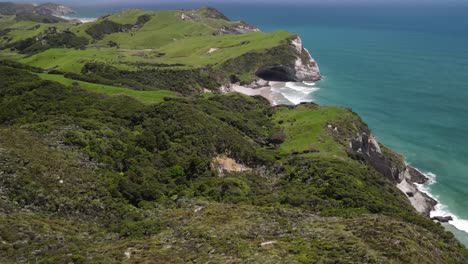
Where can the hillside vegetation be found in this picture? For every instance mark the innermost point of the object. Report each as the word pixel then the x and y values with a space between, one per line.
pixel 110 153
pixel 93 178
pixel 180 44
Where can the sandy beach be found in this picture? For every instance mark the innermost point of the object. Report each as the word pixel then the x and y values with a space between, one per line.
pixel 262 91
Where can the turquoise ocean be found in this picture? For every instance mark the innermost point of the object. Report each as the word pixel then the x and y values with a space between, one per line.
pixel 403 68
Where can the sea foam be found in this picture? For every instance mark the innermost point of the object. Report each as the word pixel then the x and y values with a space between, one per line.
pixel 441 209
pixel 293 93
pixel 81 19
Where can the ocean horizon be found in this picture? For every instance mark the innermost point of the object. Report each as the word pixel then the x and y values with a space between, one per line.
pixel 403 69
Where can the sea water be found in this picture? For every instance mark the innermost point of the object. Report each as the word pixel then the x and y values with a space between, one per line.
pixel 403 68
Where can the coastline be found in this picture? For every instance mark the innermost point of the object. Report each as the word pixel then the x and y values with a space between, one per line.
pixel 421 201
pixel 415 186
pixel 422 194
pixel 80 19
pixel 265 91
pixel 289 93
pixel 414 181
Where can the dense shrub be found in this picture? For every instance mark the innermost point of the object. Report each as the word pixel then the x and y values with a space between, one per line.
pixel 188 82
pixel 50 39
pixel 29 16
pixel 106 27
pixel 128 173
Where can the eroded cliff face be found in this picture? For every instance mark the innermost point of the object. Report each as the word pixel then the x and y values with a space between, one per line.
pixel 303 68
pixel 306 67
pixel 366 148
pixel 422 202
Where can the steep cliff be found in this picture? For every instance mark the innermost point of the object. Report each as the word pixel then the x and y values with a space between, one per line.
pixel 303 68
pixel 393 166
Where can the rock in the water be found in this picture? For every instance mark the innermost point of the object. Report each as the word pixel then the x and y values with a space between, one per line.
pixel 442 219
pixel 416 176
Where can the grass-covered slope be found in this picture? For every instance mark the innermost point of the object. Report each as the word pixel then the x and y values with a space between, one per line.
pixel 147 97
pixel 93 178
pixel 138 41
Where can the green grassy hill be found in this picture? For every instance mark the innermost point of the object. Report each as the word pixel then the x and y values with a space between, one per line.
pixel 147 97
pixel 103 178
pixel 136 40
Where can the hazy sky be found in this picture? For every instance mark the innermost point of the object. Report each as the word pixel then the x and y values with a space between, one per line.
pixel 80 2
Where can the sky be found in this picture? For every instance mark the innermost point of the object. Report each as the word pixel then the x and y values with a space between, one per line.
pixel 334 2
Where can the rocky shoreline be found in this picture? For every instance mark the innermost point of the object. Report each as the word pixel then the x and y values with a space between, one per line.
pixel 422 202
pixel 365 147
pixel 304 68
pixel 390 164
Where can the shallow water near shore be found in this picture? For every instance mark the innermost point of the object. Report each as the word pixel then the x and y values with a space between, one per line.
pixel 292 93
pixel 404 69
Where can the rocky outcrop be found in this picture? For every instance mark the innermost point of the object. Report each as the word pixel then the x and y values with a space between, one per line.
pixel 442 219
pixel 237 29
pixel 392 166
pixel 259 83
pixel 223 164
pixel 366 148
pixel 422 202
pixel 416 176
pixel 304 68
pixel 206 12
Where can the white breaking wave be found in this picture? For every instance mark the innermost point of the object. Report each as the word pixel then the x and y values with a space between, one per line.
pixel 309 83
pixel 441 209
pixel 293 93
pixel 81 19
pixel 298 87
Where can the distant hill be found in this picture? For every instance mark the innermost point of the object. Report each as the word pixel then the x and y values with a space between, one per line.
pixel 50 9
pixel 151 49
